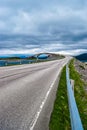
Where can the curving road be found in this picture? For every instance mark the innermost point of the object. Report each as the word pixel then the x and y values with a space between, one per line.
pixel 27 93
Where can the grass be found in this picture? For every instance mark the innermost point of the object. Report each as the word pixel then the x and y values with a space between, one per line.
pixel 80 93
pixel 60 118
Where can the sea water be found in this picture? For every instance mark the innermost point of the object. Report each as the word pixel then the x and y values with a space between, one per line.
pixel 7 63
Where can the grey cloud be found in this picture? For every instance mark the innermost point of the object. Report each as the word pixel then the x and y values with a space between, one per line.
pixel 44 20
pixel 34 44
pixel 49 25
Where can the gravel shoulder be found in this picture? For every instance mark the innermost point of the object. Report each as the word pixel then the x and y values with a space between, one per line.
pixel 82 69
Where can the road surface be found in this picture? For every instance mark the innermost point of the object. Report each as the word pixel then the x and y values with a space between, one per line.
pixel 27 93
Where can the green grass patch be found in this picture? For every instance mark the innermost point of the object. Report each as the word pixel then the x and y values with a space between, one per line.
pixel 80 93
pixel 60 118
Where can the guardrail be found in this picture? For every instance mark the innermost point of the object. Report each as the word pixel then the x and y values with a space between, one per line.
pixel 76 123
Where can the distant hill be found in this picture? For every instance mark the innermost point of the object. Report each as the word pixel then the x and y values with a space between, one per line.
pixel 82 56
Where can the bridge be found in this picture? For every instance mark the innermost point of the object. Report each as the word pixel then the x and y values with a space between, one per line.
pixel 27 94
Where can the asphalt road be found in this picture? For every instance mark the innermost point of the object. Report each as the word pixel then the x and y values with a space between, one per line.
pixel 27 93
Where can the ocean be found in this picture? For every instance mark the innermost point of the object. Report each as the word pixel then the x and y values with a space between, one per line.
pixel 83 60
pixel 18 62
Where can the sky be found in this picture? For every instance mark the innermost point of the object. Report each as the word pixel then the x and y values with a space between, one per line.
pixel 32 26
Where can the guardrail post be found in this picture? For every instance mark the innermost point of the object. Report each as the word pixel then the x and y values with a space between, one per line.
pixel 72 84
pixel 76 123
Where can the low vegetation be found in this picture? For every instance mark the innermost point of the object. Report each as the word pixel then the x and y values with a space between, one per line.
pixel 80 93
pixel 60 118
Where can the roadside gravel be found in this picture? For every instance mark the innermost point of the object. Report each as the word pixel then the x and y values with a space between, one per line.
pixel 82 69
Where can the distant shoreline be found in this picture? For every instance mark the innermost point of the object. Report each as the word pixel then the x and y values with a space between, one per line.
pixel 84 61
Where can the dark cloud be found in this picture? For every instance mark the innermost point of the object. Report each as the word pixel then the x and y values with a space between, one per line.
pixel 49 25
pixel 63 43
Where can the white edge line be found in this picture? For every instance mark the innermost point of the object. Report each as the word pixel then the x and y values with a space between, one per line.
pixel 32 125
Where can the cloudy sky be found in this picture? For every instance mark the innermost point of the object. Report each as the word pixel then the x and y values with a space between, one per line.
pixel 32 26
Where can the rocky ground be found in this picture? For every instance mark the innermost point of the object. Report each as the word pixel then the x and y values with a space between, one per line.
pixel 82 69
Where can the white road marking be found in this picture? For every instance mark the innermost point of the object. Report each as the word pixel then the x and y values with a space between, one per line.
pixel 43 102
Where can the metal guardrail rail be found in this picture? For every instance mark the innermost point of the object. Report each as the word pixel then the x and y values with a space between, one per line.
pixel 76 123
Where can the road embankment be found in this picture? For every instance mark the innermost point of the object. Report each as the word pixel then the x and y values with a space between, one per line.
pixel 79 89
pixel 60 118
